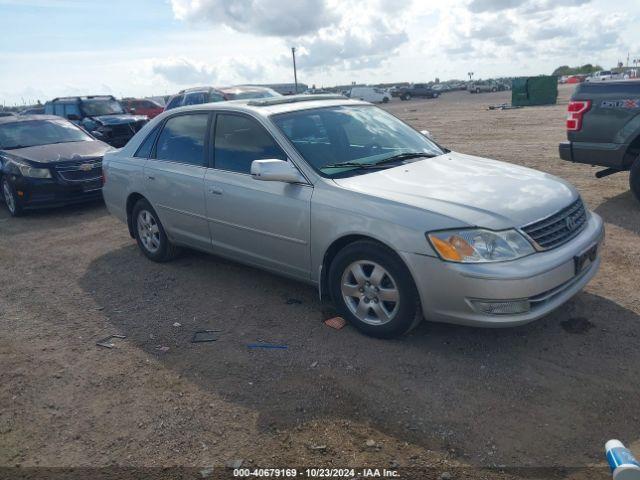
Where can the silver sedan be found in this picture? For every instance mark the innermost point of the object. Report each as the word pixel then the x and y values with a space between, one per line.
pixel 344 196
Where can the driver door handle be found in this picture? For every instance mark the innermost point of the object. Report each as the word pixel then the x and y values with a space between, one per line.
pixel 215 190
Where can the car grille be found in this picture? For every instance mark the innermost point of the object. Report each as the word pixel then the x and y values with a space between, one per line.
pixel 559 228
pixel 80 171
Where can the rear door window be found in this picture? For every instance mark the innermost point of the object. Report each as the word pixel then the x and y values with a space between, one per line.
pixel 183 139
pixel 240 140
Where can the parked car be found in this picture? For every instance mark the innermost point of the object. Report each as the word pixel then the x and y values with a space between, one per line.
pixel 440 88
pixel 7 114
pixel 142 106
pixel 369 94
pixel 603 76
pixel 244 92
pixel 603 128
pixel 100 115
pixel 195 96
pixel 417 90
pixel 343 195
pixel 483 86
pixel 48 161
pixel 33 111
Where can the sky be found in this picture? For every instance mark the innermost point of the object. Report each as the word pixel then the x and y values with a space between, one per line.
pixel 51 48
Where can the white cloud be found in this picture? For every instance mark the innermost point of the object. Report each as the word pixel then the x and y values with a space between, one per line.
pixel 186 72
pixel 182 71
pixel 260 17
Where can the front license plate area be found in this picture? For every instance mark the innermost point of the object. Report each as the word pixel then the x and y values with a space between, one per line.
pixel 585 259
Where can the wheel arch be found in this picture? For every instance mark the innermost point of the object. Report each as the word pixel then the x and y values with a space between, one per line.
pixel 132 199
pixel 337 245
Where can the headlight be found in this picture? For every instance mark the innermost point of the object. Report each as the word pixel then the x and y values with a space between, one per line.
pixel 479 245
pixel 27 170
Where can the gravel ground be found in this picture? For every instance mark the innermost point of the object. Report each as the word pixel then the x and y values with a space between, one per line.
pixel 547 394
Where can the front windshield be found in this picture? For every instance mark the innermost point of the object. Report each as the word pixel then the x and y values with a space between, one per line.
pixel 39 132
pixel 94 108
pixel 359 135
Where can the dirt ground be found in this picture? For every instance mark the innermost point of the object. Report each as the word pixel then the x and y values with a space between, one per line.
pixel 545 395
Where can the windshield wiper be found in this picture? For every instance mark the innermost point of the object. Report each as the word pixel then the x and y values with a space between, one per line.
pixel 404 156
pixel 351 164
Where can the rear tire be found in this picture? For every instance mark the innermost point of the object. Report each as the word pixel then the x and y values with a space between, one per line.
pixel 150 234
pixel 406 96
pixel 634 179
pixel 11 199
pixel 385 100
pixel 373 289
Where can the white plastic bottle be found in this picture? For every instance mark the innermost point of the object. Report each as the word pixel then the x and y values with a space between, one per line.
pixel 623 464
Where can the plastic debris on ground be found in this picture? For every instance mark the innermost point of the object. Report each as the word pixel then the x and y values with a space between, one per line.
pixel 202 336
pixel 268 346
pixel 336 322
pixel 106 342
pixel 503 106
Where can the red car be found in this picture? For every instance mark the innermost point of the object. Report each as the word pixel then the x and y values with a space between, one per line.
pixel 142 106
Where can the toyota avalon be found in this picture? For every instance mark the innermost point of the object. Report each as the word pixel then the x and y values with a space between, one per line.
pixel 343 195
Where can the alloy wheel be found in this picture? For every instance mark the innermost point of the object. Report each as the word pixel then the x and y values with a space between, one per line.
pixel 8 197
pixel 370 292
pixel 148 231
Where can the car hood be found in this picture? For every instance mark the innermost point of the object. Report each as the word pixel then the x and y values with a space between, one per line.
pixel 119 119
pixel 473 190
pixel 61 152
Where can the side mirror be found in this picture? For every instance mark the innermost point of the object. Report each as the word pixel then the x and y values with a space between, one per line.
pixel 98 135
pixel 427 134
pixel 73 117
pixel 276 171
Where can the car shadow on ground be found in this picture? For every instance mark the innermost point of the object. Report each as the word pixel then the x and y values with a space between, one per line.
pixel 66 216
pixel 622 210
pixel 507 396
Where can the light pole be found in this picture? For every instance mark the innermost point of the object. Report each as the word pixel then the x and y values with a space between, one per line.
pixel 295 72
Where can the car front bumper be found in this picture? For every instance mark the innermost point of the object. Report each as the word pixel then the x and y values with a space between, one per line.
pixel 545 279
pixel 36 193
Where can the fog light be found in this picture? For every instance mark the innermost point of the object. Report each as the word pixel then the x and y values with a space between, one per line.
pixel 509 307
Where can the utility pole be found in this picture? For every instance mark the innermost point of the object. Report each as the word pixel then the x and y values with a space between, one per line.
pixel 295 72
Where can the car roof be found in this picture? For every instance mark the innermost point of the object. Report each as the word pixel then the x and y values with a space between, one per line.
pixel 24 118
pixel 275 105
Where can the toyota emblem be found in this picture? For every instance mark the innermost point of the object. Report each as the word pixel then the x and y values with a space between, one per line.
pixel 571 223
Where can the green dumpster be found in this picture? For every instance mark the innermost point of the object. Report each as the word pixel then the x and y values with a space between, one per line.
pixel 526 91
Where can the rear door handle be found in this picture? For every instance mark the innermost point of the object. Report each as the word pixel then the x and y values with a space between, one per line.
pixel 151 177
pixel 215 190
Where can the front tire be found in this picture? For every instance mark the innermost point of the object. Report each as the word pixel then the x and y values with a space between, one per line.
pixel 373 289
pixel 150 234
pixel 406 96
pixel 11 200
pixel 634 179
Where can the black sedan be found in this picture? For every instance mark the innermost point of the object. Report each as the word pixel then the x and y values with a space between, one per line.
pixel 47 161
